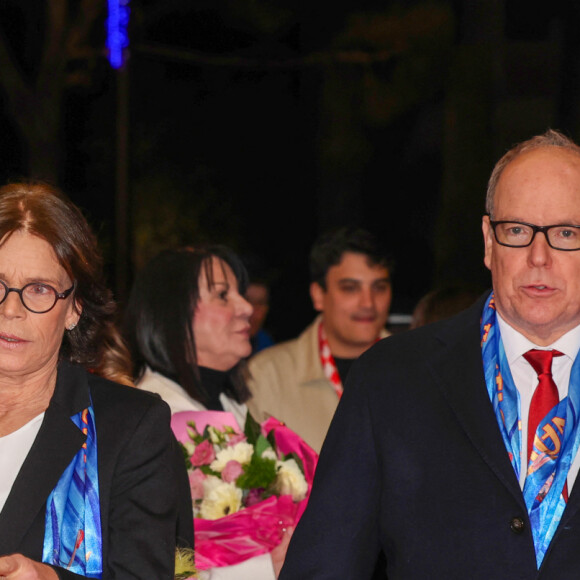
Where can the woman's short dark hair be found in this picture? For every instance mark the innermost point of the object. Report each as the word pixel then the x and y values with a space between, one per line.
pixel 158 322
pixel 44 211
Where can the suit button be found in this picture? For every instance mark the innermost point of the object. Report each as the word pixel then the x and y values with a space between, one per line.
pixel 517 525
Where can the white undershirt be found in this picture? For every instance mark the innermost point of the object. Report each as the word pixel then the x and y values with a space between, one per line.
pixel 526 379
pixel 13 451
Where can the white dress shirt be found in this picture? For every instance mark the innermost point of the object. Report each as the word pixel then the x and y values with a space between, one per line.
pixel 526 379
pixel 14 448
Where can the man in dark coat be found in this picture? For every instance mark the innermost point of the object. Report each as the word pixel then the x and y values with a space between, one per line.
pixel 428 457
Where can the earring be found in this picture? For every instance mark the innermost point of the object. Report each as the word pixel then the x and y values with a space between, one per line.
pixel 72 326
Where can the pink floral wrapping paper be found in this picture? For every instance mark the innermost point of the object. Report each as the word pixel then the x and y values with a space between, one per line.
pixel 256 529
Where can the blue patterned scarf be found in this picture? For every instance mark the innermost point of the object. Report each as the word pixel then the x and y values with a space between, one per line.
pixel 547 473
pixel 72 538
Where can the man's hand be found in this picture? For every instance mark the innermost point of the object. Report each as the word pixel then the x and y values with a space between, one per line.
pixel 18 567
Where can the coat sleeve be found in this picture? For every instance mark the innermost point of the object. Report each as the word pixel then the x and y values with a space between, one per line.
pixel 338 535
pixel 185 536
pixel 143 504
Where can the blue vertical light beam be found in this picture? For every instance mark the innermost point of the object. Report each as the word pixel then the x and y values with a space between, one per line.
pixel 117 31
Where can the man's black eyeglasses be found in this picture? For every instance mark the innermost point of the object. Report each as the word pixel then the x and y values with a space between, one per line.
pixel 563 237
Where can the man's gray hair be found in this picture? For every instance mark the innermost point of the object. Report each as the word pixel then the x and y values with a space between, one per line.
pixel 550 138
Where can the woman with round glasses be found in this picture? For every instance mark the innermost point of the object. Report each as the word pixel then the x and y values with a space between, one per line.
pixel 87 466
pixel 36 297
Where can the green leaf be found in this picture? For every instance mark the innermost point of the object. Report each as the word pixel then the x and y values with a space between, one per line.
pixel 261 445
pixel 272 440
pixel 208 470
pixel 252 430
pixel 185 454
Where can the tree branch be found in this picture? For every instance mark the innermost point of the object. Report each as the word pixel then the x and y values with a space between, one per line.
pixel 11 79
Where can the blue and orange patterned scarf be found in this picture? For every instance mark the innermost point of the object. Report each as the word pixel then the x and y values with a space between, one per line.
pixel 556 442
pixel 72 538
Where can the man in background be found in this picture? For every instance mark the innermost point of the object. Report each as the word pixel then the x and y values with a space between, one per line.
pixel 301 381
pixel 258 295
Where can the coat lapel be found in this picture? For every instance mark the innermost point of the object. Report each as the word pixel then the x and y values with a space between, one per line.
pixel 56 444
pixel 460 358
pixel 456 362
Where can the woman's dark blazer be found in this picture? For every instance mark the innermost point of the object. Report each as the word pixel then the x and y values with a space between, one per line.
pixel 414 464
pixel 137 479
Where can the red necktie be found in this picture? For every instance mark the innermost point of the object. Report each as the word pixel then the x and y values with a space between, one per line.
pixel 545 396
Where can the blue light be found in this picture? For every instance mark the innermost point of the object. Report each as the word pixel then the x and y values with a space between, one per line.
pixel 117 33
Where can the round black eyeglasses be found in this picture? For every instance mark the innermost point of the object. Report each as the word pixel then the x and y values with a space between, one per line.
pixel 36 297
pixel 562 237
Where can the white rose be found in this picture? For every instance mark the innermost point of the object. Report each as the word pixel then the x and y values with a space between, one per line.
pixel 210 483
pixel 241 452
pixel 220 499
pixel 290 480
pixel 269 453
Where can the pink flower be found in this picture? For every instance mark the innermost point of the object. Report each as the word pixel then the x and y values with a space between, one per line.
pixel 196 478
pixel 237 438
pixel 232 471
pixel 203 454
pixel 254 496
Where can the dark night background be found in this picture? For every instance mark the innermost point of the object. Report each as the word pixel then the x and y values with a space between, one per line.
pixel 260 123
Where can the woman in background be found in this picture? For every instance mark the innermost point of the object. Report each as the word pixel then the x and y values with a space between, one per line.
pixel 187 326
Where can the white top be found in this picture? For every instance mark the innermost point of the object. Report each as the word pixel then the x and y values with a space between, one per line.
pixel 260 567
pixel 179 400
pixel 13 451
pixel 526 379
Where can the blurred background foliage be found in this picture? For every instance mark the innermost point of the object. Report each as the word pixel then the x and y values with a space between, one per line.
pixel 260 123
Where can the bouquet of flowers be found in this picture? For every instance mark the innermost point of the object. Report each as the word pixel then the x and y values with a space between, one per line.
pixel 247 488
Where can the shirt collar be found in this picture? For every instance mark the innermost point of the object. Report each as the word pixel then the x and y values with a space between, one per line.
pixel 516 344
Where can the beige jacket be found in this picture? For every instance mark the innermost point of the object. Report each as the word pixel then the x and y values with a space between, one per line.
pixel 287 382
